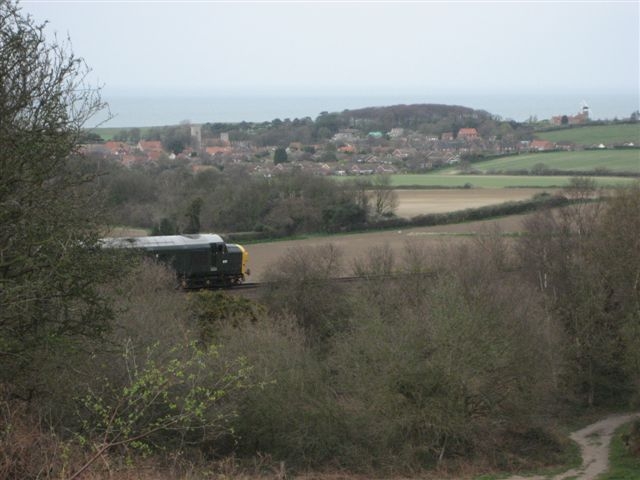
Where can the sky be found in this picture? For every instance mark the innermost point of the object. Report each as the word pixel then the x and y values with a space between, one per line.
pixel 352 46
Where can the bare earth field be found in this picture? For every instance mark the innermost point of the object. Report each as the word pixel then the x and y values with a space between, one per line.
pixel 353 246
pixel 410 203
pixel 418 202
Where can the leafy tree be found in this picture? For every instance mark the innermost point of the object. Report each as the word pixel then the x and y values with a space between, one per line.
pixel 134 135
pixel 91 137
pixel 182 395
pixel 121 136
pixel 176 139
pixel 50 269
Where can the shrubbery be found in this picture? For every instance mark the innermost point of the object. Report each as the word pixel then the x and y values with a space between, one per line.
pixel 454 360
pixel 408 382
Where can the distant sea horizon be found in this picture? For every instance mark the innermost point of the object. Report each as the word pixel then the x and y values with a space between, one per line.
pixel 130 110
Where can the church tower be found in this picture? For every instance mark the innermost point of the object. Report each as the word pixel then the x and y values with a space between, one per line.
pixel 196 136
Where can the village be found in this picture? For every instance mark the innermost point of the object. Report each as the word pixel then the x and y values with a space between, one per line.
pixel 349 151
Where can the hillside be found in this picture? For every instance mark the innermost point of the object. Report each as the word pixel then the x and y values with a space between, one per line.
pixel 617 134
pixel 612 160
pixel 413 116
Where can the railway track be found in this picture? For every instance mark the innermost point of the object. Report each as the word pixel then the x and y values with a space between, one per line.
pixel 256 286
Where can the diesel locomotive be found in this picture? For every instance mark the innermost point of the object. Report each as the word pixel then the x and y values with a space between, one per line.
pixel 200 261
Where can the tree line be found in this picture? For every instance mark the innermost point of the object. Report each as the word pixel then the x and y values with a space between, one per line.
pixel 169 198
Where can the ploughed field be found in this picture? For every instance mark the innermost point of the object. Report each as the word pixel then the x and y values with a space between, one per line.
pixel 410 203
pixel 419 202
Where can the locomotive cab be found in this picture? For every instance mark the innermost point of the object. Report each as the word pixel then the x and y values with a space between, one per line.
pixel 199 261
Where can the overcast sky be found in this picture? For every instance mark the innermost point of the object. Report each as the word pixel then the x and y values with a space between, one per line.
pixel 353 47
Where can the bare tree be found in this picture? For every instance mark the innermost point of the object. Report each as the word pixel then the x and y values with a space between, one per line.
pixel 300 282
pixel 584 260
pixel 385 199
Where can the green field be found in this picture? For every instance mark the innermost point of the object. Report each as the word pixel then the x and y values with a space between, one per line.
pixel 594 135
pixel 495 181
pixel 612 160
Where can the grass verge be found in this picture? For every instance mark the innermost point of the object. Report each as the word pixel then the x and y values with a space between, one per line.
pixel 623 464
pixel 570 458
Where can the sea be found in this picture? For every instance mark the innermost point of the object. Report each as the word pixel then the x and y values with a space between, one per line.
pixel 127 110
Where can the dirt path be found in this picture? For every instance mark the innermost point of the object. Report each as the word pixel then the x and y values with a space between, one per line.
pixel 594 441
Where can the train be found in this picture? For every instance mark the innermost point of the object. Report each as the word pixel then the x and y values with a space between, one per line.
pixel 200 261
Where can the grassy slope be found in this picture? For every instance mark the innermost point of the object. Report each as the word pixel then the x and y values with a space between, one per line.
pixel 594 135
pixel 613 160
pixel 622 465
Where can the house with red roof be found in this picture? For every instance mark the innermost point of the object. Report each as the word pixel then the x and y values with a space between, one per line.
pixel 541 146
pixel 117 148
pixel 215 150
pixel 468 134
pixel 148 146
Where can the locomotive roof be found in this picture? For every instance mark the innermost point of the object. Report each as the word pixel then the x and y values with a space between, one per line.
pixel 164 241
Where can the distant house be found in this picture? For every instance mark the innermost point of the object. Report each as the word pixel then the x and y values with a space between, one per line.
pixel 150 146
pixel 117 148
pixel 215 150
pixel 347 149
pixel 401 153
pixel 468 134
pixel 355 170
pixel 346 135
pixel 579 118
pixel 541 146
pixel 381 169
pixel 447 136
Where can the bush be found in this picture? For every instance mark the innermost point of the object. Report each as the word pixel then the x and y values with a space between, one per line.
pixel 299 283
pixel 419 374
pixel 213 310
pixel 439 381
pixel 292 416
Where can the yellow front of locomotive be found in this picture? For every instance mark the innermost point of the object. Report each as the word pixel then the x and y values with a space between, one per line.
pixel 245 262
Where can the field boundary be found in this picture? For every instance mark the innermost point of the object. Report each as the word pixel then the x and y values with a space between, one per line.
pixel 427 220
